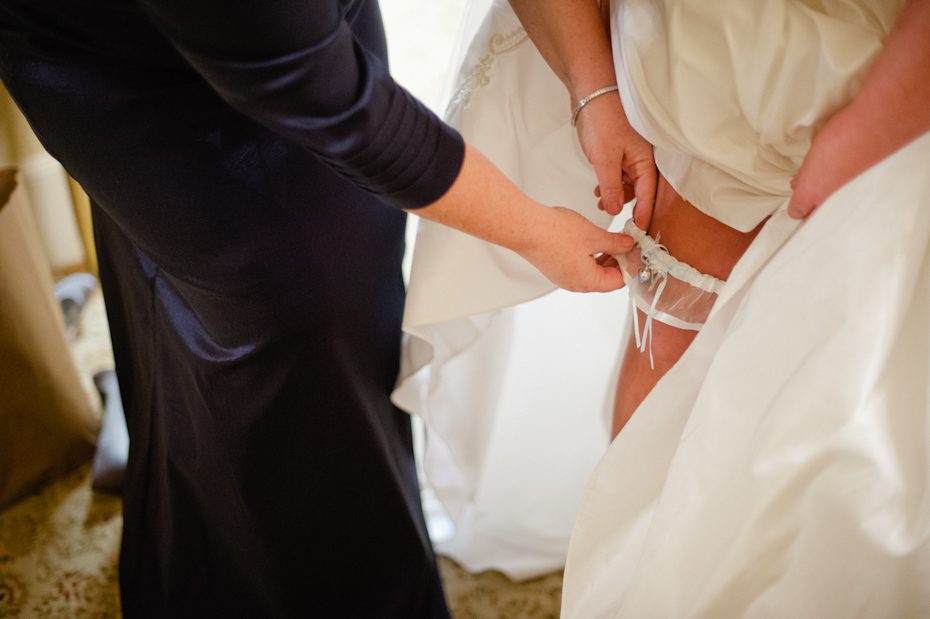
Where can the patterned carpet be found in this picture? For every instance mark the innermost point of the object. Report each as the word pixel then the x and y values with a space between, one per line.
pixel 59 547
pixel 58 552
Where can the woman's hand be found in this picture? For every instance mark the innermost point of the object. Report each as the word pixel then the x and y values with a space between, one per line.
pixel 574 253
pixel 838 153
pixel 622 159
pixel 572 36
pixel 891 109
pixel 559 242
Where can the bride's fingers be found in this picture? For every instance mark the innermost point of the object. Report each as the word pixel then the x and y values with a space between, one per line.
pixel 645 187
pixel 610 184
pixel 629 191
pixel 613 199
pixel 805 197
pixel 799 208
pixel 606 260
pixel 628 187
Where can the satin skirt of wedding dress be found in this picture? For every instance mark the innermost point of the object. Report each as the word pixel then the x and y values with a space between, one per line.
pixel 781 468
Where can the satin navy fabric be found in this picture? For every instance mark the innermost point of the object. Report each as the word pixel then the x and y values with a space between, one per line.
pixel 238 156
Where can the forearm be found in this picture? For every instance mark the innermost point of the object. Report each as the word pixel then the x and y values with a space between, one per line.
pixel 482 202
pixel 557 241
pixel 571 36
pixel 893 106
pixel 896 92
pixel 891 109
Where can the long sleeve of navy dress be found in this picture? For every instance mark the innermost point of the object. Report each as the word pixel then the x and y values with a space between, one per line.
pixel 240 157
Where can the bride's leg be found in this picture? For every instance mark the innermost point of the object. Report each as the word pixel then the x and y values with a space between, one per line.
pixel 706 244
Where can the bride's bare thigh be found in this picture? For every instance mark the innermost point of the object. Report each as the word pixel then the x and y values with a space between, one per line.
pixel 706 244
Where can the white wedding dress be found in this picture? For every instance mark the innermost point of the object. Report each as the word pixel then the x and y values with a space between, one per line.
pixel 511 377
pixel 782 467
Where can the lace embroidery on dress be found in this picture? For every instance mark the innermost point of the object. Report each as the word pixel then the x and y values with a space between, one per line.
pixel 480 76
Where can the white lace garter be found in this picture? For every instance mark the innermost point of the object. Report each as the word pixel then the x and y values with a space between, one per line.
pixel 664 288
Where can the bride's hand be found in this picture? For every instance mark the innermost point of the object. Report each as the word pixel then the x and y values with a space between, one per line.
pixel 888 112
pixel 836 156
pixel 572 36
pixel 566 248
pixel 622 159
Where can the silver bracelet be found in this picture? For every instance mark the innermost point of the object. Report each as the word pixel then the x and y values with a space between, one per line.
pixel 586 100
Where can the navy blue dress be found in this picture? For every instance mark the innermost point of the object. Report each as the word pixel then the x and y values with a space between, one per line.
pixel 239 156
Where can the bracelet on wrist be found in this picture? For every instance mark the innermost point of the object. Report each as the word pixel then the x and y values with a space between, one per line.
pixel 588 99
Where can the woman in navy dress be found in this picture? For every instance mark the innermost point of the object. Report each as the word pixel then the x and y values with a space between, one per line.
pixel 239 157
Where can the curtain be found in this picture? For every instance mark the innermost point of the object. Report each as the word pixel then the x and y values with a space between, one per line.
pixel 63 222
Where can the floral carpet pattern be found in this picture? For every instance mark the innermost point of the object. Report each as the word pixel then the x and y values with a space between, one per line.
pixel 59 551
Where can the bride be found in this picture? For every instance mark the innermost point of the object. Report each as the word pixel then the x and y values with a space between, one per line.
pixel 777 461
